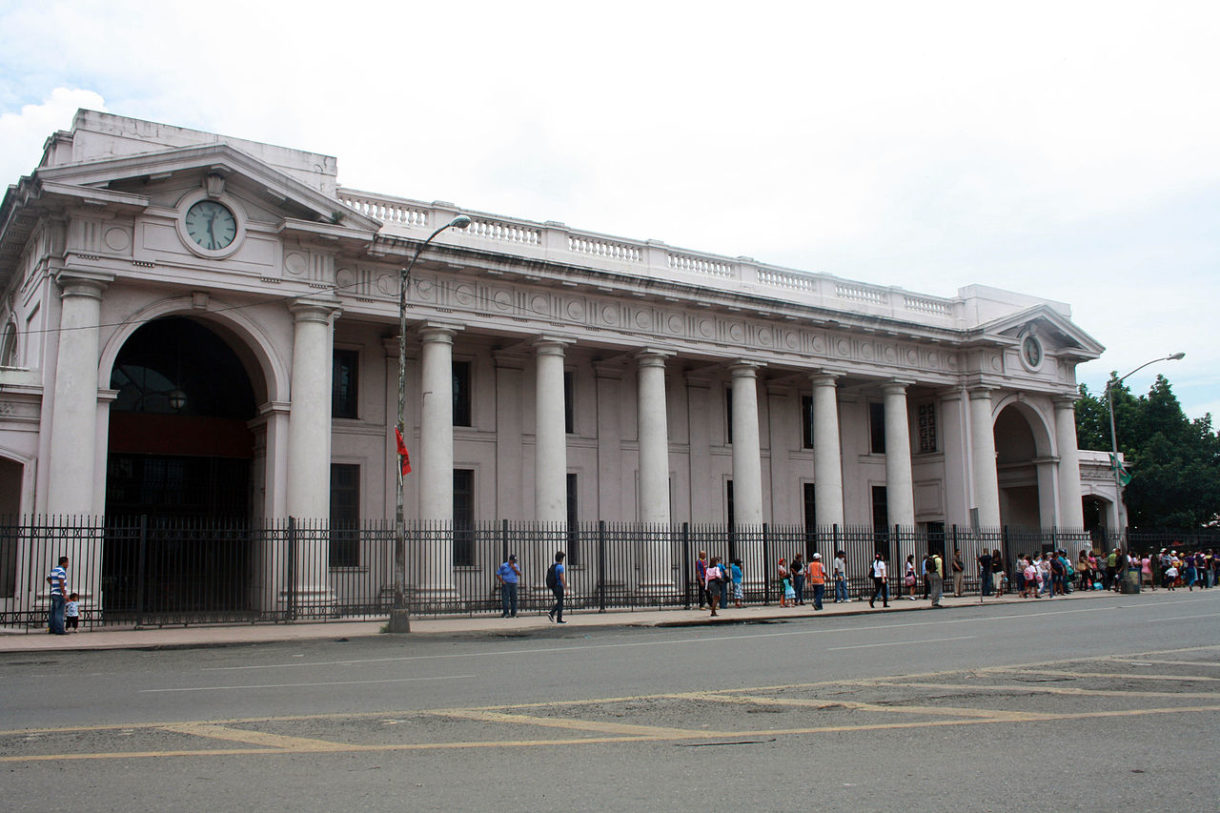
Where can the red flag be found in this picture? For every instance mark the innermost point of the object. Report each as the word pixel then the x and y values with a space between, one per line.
pixel 402 451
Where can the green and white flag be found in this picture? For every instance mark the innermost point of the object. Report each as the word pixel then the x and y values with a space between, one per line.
pixel 1124 476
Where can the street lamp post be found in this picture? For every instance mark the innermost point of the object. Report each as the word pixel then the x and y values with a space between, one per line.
pixel 1110 385
pixel 400 615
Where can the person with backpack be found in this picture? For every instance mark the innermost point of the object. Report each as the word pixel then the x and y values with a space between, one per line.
pixel 556 579
pixel 714 576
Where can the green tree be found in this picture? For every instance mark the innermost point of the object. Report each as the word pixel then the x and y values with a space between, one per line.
pixel 1174 461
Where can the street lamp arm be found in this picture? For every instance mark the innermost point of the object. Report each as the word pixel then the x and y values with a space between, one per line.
pixel 1170 357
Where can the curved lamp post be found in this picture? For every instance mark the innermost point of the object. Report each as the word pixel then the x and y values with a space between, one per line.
pixel 1110 385
pixel 400 617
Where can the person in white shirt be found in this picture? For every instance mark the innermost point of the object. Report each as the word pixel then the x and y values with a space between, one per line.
pixel 880 581
pixel 712 578
pixel 840 576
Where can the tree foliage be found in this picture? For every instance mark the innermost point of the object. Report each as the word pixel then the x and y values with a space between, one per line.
pixel 1174 461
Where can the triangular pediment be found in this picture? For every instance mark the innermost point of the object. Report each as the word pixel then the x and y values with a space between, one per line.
pixel 128 174
pixel 1053 329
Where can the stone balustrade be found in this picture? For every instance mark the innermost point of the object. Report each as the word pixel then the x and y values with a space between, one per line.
pixel 653 259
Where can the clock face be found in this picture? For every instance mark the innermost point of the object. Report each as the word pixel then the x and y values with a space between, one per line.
pixel 1033 351
pixel 211 225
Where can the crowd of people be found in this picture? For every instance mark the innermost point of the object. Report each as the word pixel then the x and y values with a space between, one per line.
pixel 1038 575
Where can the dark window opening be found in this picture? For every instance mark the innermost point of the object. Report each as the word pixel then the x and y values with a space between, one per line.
pixel 728 416
pixel 881 521
pixel 574 552
pixel 344 515
pixel 806 422
pixel 569 415
pixel 343 389
pixel 463 517
pixel 461 393
pixel 811 520
pixel 927 428
pixel 876 428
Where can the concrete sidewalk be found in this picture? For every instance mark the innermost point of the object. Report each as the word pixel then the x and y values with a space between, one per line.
pixel 492 625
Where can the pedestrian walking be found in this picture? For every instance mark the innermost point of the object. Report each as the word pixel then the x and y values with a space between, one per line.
pixel 714 577
pixel 58 579
pixel 817 580
pixel 735 573
pixel 908 576
pixel 508 574
pixel 936 580
pixel 985 574
pixel 959 574
pixel 785 583
pixel 840 576
pixel 557 580
pixel 701 577
pixel 880 581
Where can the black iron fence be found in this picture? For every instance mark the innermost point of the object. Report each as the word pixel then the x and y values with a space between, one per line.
pixel 141 571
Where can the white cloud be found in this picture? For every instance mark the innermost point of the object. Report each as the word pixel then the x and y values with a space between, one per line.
pixel 1063 149
pixel 23 133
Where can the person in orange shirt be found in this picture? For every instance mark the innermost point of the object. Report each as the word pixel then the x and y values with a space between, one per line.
pixel 817 580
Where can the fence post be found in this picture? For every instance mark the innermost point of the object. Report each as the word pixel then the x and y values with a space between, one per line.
pixel 766 564
pixel 601 565
pixel 686 564
pixel 292 570
pixel 834 544
pixel 141 559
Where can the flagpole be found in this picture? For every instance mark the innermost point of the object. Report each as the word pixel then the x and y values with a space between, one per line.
pixel 400 614
pixel 1118 474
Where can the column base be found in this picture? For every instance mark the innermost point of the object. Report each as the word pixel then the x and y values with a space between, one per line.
pixel 400 621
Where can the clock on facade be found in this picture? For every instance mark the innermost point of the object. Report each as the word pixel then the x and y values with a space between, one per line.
pixel 1031 349
pixel 211 225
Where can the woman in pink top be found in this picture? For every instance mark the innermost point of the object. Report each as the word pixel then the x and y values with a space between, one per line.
pixel 711 582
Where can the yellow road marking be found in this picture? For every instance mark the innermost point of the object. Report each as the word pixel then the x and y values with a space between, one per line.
pixel 792 702
pixel 265 739
pixel 657 732
pixel 1135 659
pixel 1120 675
pixel 1027 688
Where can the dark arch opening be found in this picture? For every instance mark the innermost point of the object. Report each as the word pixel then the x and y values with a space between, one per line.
pixel 178 475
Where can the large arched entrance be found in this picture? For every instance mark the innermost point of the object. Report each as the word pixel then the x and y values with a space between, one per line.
pixel 1016 455
pixel 178 477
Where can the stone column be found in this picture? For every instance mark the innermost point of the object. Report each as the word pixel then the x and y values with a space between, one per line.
pixel 899 490
pixel 654 469
pixel 74 408
pixel 827 456
pixel 73 434
pixel 747 451
pixel 435 571
pixel 550 437
pixel 550 459
pixel 309 434
pixel 982 459
pixel 1071 508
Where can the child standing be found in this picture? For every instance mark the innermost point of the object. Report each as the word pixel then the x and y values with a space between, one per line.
pixel 72 613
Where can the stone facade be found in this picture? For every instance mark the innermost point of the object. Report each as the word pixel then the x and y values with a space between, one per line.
pixel 600 377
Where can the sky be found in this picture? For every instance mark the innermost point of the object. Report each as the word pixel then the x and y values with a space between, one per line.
pixel 1066 150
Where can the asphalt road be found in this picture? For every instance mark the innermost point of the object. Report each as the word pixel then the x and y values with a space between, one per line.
pixel 1108 703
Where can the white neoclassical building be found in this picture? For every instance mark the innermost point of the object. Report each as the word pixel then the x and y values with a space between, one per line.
pixel 200 325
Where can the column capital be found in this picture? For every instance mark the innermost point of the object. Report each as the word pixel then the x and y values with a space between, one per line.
pixel 1064 402
pixel 77 282
pixel 744 369
pixel 551 345
pixel 896 386
pixel 825 378
pixel 315 309
pixel 438 332
pixel 981 392
pixel 652 357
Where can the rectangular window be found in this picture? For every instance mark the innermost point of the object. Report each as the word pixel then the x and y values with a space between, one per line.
pixel 569 415
pixel 881 522
pixel 463 517
pixel 574 552
pixel 876 428
pixel 811 520
pixel 344 515
pixel 728 502
pixel 806 422
pixel 343 388
pixel 728 416
pixel 461 393
pixel 927 428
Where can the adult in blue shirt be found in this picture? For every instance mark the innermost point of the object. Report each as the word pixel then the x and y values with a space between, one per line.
pixel 558 582
pixel 509 574
pixel 58 579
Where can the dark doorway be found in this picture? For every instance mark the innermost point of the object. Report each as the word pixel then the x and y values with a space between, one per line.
pixel 179 455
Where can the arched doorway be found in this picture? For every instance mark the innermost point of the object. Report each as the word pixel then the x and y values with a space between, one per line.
pixel 180 455
pixel 1016 452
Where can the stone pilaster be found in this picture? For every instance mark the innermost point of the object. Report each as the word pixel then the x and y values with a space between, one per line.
pixel 827 453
